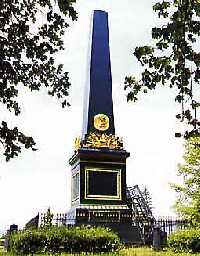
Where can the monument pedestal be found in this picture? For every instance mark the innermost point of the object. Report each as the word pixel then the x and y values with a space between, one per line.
pixel 99 192
pixel 99 179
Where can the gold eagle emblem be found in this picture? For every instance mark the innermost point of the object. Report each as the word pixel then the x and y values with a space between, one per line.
pixel 101 122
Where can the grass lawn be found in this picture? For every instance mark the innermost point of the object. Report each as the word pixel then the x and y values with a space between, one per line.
pixel 126 252
pixel 149 252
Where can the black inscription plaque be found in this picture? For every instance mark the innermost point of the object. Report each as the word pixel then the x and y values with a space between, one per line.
pixel 103 182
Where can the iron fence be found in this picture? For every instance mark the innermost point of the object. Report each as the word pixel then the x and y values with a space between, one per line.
pixel 170 225
pixel 166 224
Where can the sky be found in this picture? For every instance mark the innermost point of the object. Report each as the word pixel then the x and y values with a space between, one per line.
pixel 37 180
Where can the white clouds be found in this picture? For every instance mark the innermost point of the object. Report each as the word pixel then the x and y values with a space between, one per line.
pixel 37 180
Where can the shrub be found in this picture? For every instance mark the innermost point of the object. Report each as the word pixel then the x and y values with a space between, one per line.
pixel 62 239
pixel 185 241
pixel 27 242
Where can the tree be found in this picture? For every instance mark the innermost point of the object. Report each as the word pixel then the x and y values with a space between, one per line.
pixel 173 59
pixel 47 219
pixel 147 197
pixel 188 202
pixel 31 33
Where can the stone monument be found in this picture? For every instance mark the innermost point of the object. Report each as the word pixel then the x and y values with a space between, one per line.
pixel 98 165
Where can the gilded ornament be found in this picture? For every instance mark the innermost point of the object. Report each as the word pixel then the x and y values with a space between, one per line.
pixel 77 143
pixel 101 122
pixel 94 140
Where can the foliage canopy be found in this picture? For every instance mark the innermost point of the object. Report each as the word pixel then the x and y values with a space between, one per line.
pixel 173 59
pixel 31 32
pixel 187 240
pixel 188 202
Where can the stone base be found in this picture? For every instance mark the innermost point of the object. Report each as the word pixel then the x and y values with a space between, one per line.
pixel 128 233
pixel 119 220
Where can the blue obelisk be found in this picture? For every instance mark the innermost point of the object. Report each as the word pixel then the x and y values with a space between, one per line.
pixel 98 165
pixel 99 94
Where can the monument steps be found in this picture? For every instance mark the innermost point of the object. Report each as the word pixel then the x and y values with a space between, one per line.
pixel 128 233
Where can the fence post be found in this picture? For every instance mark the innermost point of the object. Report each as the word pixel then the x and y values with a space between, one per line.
pixel 157 238
pixel 13 228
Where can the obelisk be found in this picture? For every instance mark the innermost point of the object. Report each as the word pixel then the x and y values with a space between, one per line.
pixel 98 99
pixel 98 164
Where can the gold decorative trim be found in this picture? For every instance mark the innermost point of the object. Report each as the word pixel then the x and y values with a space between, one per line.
pixel 103 197
pixel 77 143
pixel 101 122
pixel 99 140
pixel 95 140
pixel 103 207
pixel 106 162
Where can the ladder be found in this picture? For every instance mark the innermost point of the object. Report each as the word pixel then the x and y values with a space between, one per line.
pixel 142 214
